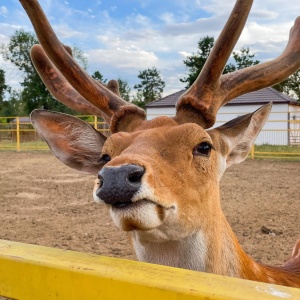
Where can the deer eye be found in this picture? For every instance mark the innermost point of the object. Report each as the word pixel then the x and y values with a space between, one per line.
pixel 105 158
pixel 203 149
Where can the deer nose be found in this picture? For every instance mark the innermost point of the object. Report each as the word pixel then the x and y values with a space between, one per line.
pixel 119 184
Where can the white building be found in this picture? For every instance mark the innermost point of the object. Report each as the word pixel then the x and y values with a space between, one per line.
pixel 282 127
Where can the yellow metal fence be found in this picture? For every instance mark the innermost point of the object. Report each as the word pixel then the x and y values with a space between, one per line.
pixel 30 272
pixel 18 134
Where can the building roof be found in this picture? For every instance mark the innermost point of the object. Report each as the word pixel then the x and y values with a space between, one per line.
pixel 262 96
pixel 22 119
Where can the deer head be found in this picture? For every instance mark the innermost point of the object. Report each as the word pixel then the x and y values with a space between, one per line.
pixel 160 178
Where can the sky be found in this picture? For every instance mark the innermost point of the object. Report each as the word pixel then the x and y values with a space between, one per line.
pixel 121 38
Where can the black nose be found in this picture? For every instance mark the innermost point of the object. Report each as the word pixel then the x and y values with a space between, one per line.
pixel 119 184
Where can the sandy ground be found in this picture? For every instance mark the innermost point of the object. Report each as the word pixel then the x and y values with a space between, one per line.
pixel 43 202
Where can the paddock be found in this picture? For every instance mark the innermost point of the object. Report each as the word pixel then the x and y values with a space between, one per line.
pixel 45 203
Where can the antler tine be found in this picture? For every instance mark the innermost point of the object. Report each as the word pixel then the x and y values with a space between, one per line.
pixel 98 95
pixel 58 86
pixel 221 51
pixel 265 74
pixel 204 93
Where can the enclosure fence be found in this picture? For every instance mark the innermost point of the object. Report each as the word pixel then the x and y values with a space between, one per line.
pixel 31 272
pixel 18 134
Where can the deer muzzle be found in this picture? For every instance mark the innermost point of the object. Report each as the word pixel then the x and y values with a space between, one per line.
pixel 117 185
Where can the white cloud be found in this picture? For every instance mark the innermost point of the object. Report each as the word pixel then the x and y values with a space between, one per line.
pixel 184 54
pixel 123 58
pixel 13 76
pixel 3 11
pixel 63 31
pixel 167 17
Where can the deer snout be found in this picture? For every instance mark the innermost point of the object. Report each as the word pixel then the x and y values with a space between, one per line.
pixel 117 185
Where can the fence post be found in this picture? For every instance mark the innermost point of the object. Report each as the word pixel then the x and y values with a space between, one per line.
pixel 96 122
pixel 18 133
pixel 252 151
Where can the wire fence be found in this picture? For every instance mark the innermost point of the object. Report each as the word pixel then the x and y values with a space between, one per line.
pixel 18 134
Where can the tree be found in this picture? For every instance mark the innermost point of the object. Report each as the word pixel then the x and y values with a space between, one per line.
pixel 80 57
pixel 138 99
pixel 13 106
pixel 244 59
pixel 124 89
pixel 3 86
pixel 98 76
pixel 151 86
pixel 195 62
pixel 34 93
pixel 290 86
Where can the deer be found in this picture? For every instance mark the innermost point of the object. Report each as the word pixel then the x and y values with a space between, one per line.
pixel 160 178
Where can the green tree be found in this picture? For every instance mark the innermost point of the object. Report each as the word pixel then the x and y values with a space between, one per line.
pixel 124 89
pixel 34 94
pixel 151 86
pixel 290 86
pixel 3 86
pixel 195 62
pixel 98 76
pixel 80 57
pixel 244 59
pixel 138 99
pixel 13 106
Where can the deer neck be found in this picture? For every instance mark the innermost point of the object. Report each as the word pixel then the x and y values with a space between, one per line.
pixel 215 252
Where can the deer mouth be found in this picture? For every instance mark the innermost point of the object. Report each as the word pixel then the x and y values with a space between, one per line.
pixel 143 214
pixel 122 204
pixel 131 204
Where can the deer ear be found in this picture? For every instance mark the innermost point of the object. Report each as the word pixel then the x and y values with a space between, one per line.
pixel 238 135
pixel 73 141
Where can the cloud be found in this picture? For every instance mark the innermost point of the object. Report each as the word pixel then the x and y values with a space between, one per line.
pixel 167 17
pixel 13 76
pixel 123 58
pixel 64 31
pixel 264 14
pixel 3 11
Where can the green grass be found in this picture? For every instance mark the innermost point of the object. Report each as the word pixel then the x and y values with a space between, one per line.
pixel 36 145
pixel 285 153
pixel 274 148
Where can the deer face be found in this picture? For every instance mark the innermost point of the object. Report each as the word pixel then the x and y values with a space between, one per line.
pixel 142 185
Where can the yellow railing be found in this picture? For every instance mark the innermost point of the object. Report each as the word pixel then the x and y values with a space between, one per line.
pixel 17 133
pixel 30 272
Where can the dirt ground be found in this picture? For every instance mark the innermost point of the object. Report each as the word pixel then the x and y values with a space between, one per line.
pixel 43 202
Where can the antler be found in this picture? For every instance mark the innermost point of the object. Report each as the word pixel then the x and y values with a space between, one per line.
pixel 74 79
pixel 211 90
pixel 58 86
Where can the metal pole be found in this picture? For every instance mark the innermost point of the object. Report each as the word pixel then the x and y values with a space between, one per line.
pixel 95 122
pixel 252 151
pixel 18 133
